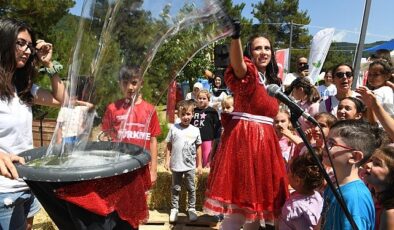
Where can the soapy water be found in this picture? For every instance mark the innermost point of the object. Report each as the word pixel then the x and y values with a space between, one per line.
pixel 81 159
pixel 112 34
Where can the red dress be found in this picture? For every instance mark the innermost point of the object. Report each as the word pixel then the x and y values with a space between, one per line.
pixel 248 173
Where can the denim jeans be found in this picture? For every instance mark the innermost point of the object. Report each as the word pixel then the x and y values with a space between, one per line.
pixel 176 189
pixel 15 208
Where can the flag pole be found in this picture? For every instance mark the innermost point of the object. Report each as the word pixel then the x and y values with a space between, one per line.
pixel 360 45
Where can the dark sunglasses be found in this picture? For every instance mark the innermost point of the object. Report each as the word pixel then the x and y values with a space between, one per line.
pixel 342 74
pixel 23 45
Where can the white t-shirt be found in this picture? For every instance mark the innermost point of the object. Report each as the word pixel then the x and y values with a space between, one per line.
pixel 216 102
pixel 184 141
pixel 72 120
pixel 290 77
pixel 385 96
pixel 325 91
pixel 190 96
pixel 15 136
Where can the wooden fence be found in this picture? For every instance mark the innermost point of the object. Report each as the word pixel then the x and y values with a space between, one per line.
pixel 47 126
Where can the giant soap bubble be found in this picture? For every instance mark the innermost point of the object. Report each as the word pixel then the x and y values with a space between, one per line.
pixel 112 34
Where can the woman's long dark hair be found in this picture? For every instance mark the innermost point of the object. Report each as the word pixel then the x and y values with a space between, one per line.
pixel 12 77
pixel 272 69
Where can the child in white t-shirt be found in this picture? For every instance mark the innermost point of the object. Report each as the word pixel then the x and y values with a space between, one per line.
pixel 183 146
pixel 378 74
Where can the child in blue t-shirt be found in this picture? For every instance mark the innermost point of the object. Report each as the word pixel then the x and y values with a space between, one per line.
pixel 350 144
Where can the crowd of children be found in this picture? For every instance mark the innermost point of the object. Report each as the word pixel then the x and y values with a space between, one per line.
pixel 349 141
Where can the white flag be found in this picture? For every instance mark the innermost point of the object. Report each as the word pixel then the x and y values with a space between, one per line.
pixel 319 48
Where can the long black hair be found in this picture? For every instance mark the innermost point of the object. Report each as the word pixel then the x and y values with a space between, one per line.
pixel 12 77
pixel 272 69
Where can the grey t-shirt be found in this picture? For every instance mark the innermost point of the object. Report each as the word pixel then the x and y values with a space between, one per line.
pixel 184 141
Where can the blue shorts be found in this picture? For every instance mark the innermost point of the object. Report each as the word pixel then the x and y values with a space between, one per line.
pixel 16 207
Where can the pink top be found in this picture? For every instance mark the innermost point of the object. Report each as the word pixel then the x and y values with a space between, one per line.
pixel 311 108
pixel 301 212
pixel 287 147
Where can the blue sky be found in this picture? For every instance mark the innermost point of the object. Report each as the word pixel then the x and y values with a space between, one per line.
pixel 344 15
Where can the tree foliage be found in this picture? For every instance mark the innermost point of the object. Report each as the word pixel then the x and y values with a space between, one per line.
pixel 52 21
pixel 41 15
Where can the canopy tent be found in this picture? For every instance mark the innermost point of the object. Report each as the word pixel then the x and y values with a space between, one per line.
pixel 387 45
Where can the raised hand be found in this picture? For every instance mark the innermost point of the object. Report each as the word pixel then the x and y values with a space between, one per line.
pixel 237 29
pixel 367 96
pixel 44 53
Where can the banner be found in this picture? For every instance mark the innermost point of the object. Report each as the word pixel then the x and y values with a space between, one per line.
pixel 282 59
pixel 319 48
pixel 171 101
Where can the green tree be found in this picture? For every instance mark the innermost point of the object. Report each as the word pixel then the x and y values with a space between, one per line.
pixel 235 12
pixel 336 54
pixel 41 15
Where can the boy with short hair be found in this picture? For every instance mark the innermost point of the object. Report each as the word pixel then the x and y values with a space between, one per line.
pixel 116 202
pixel 183 145
pixel 350 144
pixel 141 127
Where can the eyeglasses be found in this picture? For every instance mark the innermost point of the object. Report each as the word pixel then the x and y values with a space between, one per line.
pixel 23 45
pixel 342 74
pixel 331 144
pixel 302 63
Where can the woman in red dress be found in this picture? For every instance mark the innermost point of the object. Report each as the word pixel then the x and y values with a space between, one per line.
pixel 248 181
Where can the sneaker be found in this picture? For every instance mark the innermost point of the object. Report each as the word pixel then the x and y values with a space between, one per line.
pixel 173 215
pixel 219 217
pixel 192 214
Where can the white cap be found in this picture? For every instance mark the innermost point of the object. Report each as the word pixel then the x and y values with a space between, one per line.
pixel 198 85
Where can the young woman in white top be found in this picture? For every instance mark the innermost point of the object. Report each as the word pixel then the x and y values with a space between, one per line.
pixel 217 95
pixel 19 52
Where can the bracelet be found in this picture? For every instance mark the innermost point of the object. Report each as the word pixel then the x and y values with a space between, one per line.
pixel 56 68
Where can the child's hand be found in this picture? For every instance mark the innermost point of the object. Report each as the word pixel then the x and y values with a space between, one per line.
pixel 280 128
pixel 309 133
pixel 367 96
pixel 286 132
